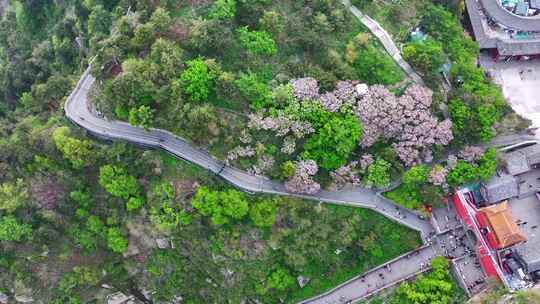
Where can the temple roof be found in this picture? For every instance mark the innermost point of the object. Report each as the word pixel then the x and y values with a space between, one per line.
pixel 501 222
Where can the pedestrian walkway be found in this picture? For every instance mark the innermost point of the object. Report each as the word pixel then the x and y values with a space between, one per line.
pixel 378 31
pixel 377 279
pixel 79 111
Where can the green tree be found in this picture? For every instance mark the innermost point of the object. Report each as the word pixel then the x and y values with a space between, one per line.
pixel 272 22
pixel 374 67
pixel 462 173
pixel 134 203
pixel 198 79
pixel 235 204
pixel 220 205
pixel 263 213
pixel 257 42
pixel 79 152
pixel 206 201
pixel 116 240
pixel 161 20
pixel 142 116
pixel 334 141
pixel 95 225
pixel 118 182
pixel 435 287
pixel 256 92
pixel 288 168
pixel 415 176
pixel 487 116
pixel 79 277
pixel 427 56
pixel 13 195
pixel 168 57
pixel 460 114
pixel 487 164
pixel 280 280
pixel 133 88
pixel 378 174
pixel 13 230
pixel 165 212
pixel 198 119
pixel 144 36
pixel 223 10
pixel 99 21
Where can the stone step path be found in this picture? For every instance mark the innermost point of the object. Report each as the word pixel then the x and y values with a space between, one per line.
pixel 377 279
pixel 382 35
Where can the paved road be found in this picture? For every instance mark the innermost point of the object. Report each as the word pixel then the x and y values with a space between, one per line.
pixel 365 285
pixel 378 31
pixel 78 111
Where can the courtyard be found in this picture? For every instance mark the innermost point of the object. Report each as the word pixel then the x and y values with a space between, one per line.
pixel 519 81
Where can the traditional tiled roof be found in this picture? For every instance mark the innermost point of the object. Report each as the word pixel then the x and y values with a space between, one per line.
pixel 505 47
pixel 516 162
pixel 521 161
pixel 500 188
pixel 502 225
pixel 498 13
pixel 532 153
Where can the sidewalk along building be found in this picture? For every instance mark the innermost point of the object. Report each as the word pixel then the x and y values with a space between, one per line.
pixel 506 28
pixel 504 215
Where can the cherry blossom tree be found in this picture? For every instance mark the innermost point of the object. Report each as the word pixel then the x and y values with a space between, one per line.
pixel 345 175
pixel 365 161
pixel 345 93
pixel 437 175
pixel 280 124
pixel 264 163
pixel 238 152
pixel 471 154
pixel 305 88
pixel 406 120
pixel 289 145
pixel 302 181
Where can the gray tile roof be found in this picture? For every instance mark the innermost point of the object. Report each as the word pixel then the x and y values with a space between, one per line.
pixel 521 161
pixel 532 265
pixel 518 47
pixel 516 162
pixel 532 153
pixel 498 13
pixel 505 47
pixel 500 188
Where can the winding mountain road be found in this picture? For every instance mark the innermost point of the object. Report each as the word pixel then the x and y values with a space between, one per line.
pixel 79 111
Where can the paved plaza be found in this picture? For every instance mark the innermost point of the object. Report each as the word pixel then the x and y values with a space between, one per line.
pixel 520 81
pixel 526 212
